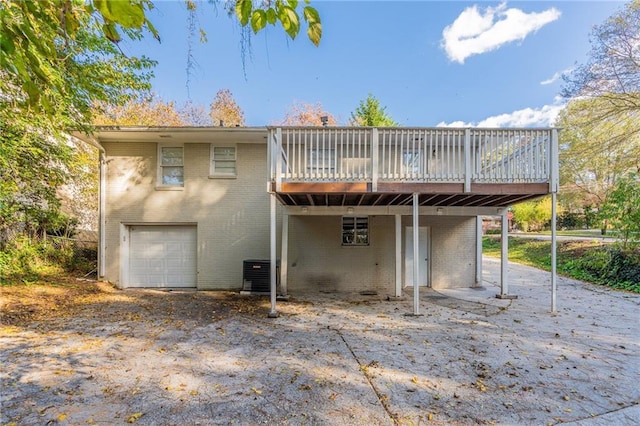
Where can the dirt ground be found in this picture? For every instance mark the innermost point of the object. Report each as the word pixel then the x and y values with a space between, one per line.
pixel 85 353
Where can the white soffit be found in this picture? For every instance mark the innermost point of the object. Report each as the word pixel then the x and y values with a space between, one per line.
pixel 182 134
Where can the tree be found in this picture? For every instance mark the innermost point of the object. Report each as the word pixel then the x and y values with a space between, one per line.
pixel 34 33
pixel 595 153
pixel 612 72
pixel 58 60
pixel 370 113
pixel 532 215
pixel 142 111
pixel 55 62
pixel 224 111
pixel 622 209
pixel 307 114
pixel 194 115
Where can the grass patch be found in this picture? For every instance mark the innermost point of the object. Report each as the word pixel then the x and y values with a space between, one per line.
pixel 589 261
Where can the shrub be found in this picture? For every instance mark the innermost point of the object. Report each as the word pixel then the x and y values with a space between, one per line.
pixel 623 269
pixel 30 259
pixel 609 265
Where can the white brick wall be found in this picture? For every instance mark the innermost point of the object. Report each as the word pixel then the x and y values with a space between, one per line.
pixel 232 215
pixel 453 250
pixel 318 261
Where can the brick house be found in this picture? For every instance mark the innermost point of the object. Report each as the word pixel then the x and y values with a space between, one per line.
pixel 345 209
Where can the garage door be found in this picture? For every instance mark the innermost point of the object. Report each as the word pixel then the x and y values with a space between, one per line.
pixel 162 256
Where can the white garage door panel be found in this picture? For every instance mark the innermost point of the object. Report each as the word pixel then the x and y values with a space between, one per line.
pixel 162 256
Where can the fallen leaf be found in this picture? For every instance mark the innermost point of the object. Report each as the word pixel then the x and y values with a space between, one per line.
pixel 194 392
pixel 61 417
pixel 134 417
pixel 414 379
pixel 257 391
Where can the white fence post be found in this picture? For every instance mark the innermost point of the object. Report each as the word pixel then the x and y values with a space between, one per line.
pixel 277 151
pixel 374 160
pixel 467 160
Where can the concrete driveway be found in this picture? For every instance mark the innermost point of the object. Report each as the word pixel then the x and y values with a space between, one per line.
pixel 151 357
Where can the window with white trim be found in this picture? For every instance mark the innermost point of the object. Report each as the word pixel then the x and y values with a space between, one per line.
pixel 170 165
pixel 321 162
pixel 413 162
pixel 223 161
pixel 355 230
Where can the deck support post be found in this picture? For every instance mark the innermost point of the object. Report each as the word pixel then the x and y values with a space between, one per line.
pixel 272 268
pixel 416 254
pixel 277 151
pixel 479 251
pixel 284 256
pixel 554 186
pixel 504 258
pixel 398 256
pixel 554 277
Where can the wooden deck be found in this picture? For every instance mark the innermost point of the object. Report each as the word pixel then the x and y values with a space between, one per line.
pixel 385 167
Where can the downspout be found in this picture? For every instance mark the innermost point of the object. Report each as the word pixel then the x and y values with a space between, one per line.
pixel 102 205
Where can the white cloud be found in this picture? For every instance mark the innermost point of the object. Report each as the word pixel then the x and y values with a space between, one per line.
pixel 556 77
pixel 473 32
pixel 544 116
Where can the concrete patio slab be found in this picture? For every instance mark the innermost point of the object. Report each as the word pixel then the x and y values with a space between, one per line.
pixel 152 357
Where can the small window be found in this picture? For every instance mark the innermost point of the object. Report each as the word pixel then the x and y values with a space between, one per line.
pixel 223 161
pixel 355 231
pixel 321 161
pixel 170 165
pixel 412 162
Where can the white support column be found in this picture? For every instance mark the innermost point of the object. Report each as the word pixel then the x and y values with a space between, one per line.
pixel 416 254
pixel 398 256
pixel 270 166
pixel 479 250
pixel 553 253
pixel 284 256
pixel 272 268
pixel 504 258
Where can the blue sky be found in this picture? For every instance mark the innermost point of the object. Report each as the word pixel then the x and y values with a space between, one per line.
pixel 430 63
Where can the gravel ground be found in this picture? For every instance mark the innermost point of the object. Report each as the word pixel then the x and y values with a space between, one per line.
pixel 165 358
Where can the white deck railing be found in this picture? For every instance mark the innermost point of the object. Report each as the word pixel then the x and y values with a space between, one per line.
pixel 362 154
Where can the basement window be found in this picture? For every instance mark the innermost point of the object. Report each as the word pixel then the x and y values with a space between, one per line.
pixel 355 230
